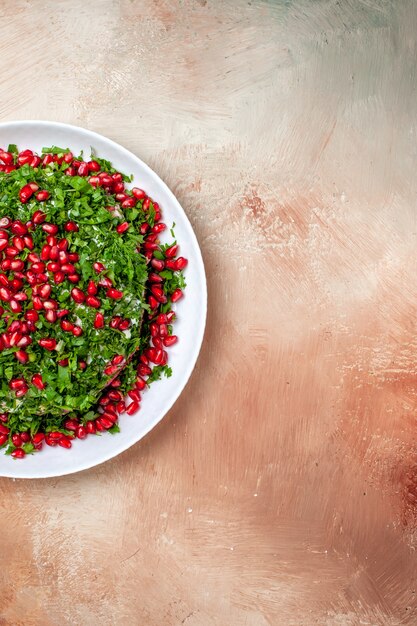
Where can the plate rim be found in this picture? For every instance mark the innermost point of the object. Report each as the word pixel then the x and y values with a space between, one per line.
pixel 187 372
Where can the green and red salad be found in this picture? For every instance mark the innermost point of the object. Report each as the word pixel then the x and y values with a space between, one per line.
pixel 86 295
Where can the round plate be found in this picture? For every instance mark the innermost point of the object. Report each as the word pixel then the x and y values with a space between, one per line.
pixel 191 310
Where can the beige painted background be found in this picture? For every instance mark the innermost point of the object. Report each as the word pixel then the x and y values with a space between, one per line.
pixel 281 489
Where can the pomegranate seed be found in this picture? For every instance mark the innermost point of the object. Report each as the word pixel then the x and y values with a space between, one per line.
pixel 70 171
pixel 170 340
pixel 71 424
pixel 93 302
pixel 99 320
pixel 98 267
pixel 28 242
pixel 44 291
pixel 5 222
pixel 157 342
pixel 18 228
pixel 121 407
pixel 63 363
pixel 115 322
pixel 144 228
pixel 159 228
pixel 138 193
pixel 83 169
pixel 51 240
pixel 68 157
pixel 114 294
pixel 77 295
pixel 5 294
pixel 62 313
pixel 163 330
pixel 122 228
pixel 31 315
pixel 110 370
pixel 35 162
pixel 51 229
pixel 105 422
pixel 129 203
pixel 38 438
pixel 74 278
pixel 22 391
pixel 158 293
pixel 105 282
pixel 146 204
pixel 3 244
pixel 171 252
pixel 65 443
pixel 124 324
pixel 153 303
pixel 134 395
pixel 42 195
pixel 155 278
pixel 4 430
pixel 50 442
pixel 38 217
pixel 6 157
pixel 77 331
pixel 37 303
pixel 55 435
pixel 38 382
pixel 18 453
pixel 176 295
pixel 91 427
pixel 157 264
pixel 18 243
pixel 47 159
pixel 17 440
pixel 21 356
pixel 53 267
pixel 118 359
pixel 93 166
pixel 132 408
pixel 71 227
pixel 47 343
pixel 25 194
pixel 68 268
pixel 140 383
pixel 17 265
pixel 181 263
pixel 144 370
pixel 38 267
pixel 46 253
pixel 3 439
pixel 59 278
pixel 54 253
pixel 73 257
pixel 92 288
pixel 67 326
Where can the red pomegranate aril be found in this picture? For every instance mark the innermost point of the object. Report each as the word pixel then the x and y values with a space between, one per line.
pixel 22 356
pixel 4 281
pixel 25 437
pixel 63 363
pixel 91 427
pixel 28 242
pixel 171 252
pixel 121 197
pixel 153 302
pixel 38 438
pixel 110 370
pixel 105 179
pixel 154 329
pixel 44 291
pixel 47 159
pixel 121 407
pixel 70 171
pixel 53 267
pixel 5 294
pixel 144 359
pixel 55 435
pixel 114 294
pixel 93 302
pixel 25 194
pixel 98 267
pixel 77 331
pixel 18 453
pixel 3 244
pixel 3 439
pixel 146 204
pixel 46 253
pixel 170 340
pixel 140 383
pixel 134 395
pixel 152 238
pixel 129 203
pixel 37 303
pixel 15 306
pixel 18 243
pixel 115 322
pixel 105 282
pixel 63 244
pixel 157 342
pixel 51 240
pixel 138 193
pixel 92 288
pixel 158 228
pixel 74 278
pixel 115 396
pixel 118 359
pixel 99 321
pixel 43 195
pixel 150 247
pixel 38 382
pixel 158 293
pixel 54 253
pixel 71 227
pixel 122 228
pixel 73 257
pixel 11 252
pixel 33 257
pixel 17 440
pixel 181 263
pixel 132 408
pixel 67 326
pixel 163 330
pixel 71 424
pixel 94 181
pixel 47 343
pixel 22 391
pixel 62 313
pixel 68 268
pixel 3 429
pixel 5 265
pixel 64 442
pixel 6 157
pixel 50 229
pixel 31 315
pixel 144 228
pixel 68 157
pixel 93 166
pixel 144 370
pixel 17 265
pixel 38 217
pixel 77 295
pixel 35 161
pixel 155 278
pixel 50 442
pixel 176 295
pixel 59 278
pixel 158 264
pixel 124 324
pixel 5 222
pixel 83 169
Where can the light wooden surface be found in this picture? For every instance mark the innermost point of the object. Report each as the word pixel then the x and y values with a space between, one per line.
pixel 281 489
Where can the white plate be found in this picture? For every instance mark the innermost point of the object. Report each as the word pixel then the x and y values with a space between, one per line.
pixel 191 309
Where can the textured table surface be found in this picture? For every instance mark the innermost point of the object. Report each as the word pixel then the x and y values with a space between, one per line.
pixel 281 489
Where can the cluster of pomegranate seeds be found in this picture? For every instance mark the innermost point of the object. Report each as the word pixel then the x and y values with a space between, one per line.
pixel 80 256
